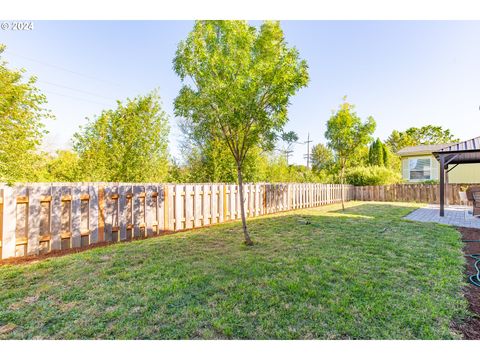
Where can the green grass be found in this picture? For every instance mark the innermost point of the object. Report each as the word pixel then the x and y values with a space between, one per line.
pixel 365 273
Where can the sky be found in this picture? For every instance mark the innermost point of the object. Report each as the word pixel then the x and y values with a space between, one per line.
pixel 403 73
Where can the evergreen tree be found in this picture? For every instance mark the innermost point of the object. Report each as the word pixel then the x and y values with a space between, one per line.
pixel 376 153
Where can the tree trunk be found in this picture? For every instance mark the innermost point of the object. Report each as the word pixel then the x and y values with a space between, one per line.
pixel 248 241
pixel 342 177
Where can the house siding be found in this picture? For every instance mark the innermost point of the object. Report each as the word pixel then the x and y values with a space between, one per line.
pixel 462 174
pixel 465 174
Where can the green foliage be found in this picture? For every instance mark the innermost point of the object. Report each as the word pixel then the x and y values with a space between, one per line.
pixel 380 155
pixel 276 169
pixel 213 162
pixel 347 135
pixel 424 135
pixel 365 273
pixel 372 175
pixel 22 113
pixel 210 160
pixel 178 174
pixel 429 182
pixel 128 143
pixel 288 139
pixel 63 167
pixel 376 153
pixel 217 165
pixel 237 82
pixel 322 158
pixel 240 80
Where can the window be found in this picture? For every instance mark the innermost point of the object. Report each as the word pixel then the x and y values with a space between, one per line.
pixel 420 169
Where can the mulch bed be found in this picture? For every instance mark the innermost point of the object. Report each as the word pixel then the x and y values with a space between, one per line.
pixel 471 327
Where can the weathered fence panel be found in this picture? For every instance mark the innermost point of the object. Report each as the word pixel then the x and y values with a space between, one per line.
pixel 420 193
pixel 37 218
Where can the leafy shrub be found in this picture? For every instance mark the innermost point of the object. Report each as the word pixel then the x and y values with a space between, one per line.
pixel 372 175
pixel 430 182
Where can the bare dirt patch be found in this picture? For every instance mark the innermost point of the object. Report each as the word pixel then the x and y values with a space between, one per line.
pixel 471 327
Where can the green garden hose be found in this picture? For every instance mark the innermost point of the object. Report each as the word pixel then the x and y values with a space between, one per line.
pixel 475 279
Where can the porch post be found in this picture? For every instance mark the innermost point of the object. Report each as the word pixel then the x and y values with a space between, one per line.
pixel 442 185
pixel 446 185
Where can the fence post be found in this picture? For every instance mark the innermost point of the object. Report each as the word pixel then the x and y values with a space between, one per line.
pixel 34 193
pixel 197 206
pixel 76 216
pixel 189 207
pixel 206 210
pixel 122 216
pixel 101 213
pixel 178 207
pixel 9 223
pixel 166 207
pixel 83 213
pixel 56 211
pixel 214 200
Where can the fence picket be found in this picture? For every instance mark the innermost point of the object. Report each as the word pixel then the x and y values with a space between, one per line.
pixel 59 216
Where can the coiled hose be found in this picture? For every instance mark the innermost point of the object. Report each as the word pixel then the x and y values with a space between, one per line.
pixel 475 278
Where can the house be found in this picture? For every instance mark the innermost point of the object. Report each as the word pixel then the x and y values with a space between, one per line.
pixel 419 164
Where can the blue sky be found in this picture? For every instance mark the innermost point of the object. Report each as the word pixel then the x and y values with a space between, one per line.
pixel 404 74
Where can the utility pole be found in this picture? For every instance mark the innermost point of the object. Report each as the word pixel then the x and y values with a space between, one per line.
pixel 287 154
pixel 307 155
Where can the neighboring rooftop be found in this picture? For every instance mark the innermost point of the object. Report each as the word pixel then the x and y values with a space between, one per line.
pixel 422 149
pixel 471 146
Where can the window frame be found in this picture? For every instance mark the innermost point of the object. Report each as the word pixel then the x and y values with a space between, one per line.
pixel 429 158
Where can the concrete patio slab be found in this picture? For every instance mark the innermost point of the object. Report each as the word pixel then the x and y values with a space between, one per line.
pixel 454 216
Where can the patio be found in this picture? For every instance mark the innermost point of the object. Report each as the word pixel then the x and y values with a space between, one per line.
pixel 455 215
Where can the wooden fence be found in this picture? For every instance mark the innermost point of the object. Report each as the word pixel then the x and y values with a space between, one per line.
pixel 40 217
pixel 422 193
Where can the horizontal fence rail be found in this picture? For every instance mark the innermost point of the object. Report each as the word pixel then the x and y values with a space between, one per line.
pixel 421 193
pixel 37 218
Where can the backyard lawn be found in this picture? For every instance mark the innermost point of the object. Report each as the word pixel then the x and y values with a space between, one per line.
pixel 313 273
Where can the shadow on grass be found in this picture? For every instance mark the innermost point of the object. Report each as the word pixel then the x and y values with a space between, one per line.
pixel 316 273
pixel 377 210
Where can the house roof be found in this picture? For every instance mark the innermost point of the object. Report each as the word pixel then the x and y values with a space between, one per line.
pixel 422 149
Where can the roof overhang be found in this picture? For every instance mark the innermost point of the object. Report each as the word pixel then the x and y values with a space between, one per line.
pixel 464 152
pixel 415 153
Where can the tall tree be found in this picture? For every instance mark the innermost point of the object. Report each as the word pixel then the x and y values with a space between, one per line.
pixel 425 135
pixel 22 111
pixel 376 153
pixel 322 158
pixel 128 143
pixel 237 82
pixel 346 134
pixel 210 160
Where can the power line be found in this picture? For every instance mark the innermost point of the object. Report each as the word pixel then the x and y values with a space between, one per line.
pixel 73 89
pixel 62 68
pixel 76 98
